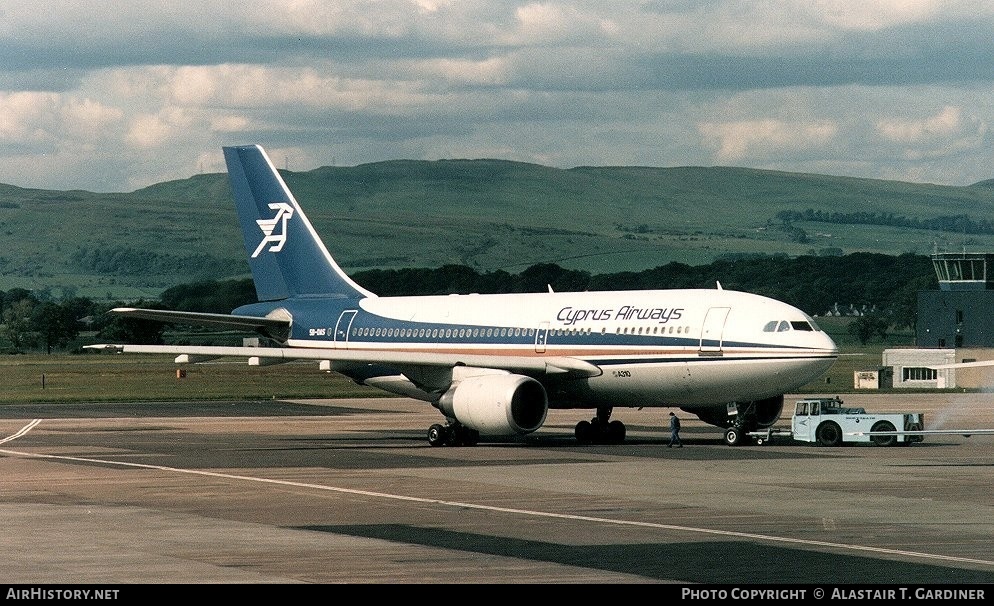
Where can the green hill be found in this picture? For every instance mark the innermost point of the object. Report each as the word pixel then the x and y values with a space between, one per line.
pixel 486 214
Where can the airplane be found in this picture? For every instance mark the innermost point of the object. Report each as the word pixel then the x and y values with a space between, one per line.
pixel 495 364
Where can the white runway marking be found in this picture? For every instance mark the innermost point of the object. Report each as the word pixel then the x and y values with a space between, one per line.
pixel 21 432
pixel 507 510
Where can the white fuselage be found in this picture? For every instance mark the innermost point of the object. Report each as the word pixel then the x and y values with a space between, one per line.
pixel 654 348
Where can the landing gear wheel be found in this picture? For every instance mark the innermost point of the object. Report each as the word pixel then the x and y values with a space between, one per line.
pixel 829 434
pixel 464 436
pixel 597 431
pixel 583 432
pixel 438 435
pixel 734 436
pixel 452 435
pixel 883 440
pixel 615 432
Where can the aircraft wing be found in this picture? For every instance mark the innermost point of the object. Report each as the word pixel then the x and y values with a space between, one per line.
pixel 534 365
pixel 205 319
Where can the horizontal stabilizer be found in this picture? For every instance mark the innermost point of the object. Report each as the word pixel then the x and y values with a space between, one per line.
pixel 274 325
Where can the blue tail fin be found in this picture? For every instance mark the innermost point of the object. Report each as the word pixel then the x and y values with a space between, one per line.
pixel 285 253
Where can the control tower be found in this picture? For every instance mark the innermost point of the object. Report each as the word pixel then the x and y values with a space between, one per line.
pixel 964 271
pixel 961 313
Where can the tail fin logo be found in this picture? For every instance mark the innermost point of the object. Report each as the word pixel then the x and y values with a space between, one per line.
pixel 276 239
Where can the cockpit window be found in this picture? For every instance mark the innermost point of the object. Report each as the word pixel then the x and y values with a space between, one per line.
pixel 784 326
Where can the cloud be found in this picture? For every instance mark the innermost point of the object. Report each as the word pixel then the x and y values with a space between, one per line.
pixel 155 130
pixel 948 132
pixel 764 138
pixel 898 87
pixel 28 117
pixel 41 119
pixel 947 122
pixel 880 14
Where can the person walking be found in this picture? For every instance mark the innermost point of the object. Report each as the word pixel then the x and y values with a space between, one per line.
pixel 674 432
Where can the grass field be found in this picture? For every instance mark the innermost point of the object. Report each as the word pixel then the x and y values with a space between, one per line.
pixel 114 378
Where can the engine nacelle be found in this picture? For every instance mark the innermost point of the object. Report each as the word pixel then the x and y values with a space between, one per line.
pixel 768 411
pixel 758 414
pixel 497 404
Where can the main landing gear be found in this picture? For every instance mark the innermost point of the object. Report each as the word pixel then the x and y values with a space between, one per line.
pixel 600 429
pixel 452 434
pixel 748 417
pixel 736 435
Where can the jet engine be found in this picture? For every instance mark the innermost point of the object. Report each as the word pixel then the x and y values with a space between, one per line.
pixel 757 414
pixel 497 404
pixel 766 411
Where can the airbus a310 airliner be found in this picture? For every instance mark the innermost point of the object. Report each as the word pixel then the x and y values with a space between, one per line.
pixel 494 365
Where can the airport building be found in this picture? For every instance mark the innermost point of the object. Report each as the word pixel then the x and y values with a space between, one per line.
pixel 955 324
pixel 960 313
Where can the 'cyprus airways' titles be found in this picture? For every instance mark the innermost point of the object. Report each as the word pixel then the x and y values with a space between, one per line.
pixel 571 315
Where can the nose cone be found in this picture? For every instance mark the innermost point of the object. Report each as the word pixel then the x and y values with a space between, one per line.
pixel 829 345
pixel 824 352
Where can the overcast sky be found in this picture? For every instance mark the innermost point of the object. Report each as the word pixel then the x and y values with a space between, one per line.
pixel 113 96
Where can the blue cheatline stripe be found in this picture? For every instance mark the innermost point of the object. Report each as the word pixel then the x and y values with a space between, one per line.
pixel 577 351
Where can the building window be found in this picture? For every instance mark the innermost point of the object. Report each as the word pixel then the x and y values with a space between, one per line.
pixel 913 373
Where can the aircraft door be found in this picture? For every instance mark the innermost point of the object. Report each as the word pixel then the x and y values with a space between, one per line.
pixel 541 337
pixel 714 325
pixel 342 328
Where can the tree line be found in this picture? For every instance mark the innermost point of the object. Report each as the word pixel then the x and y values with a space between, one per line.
pixel 959 224
pixel 126 261
pixel 819 285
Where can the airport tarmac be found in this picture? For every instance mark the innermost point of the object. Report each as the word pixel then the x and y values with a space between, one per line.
pixel 349 491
